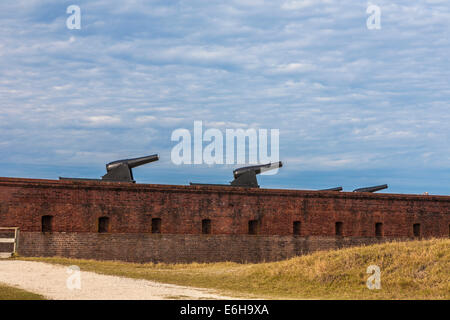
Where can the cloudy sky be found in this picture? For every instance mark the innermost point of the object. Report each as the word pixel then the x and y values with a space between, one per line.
pixel 355 107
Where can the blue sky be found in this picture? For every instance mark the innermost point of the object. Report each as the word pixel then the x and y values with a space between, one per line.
pixel 355 107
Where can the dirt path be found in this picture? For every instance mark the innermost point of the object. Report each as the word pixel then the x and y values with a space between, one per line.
pixel 51 282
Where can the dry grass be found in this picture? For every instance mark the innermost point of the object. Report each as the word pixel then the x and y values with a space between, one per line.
pixel 11 293
pixel 409 270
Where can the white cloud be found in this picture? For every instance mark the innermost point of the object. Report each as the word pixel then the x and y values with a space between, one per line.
pixel 297 4
pixel 144 119
pixel 103 120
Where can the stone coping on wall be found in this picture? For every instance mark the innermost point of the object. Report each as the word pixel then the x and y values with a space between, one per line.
pixel 126 186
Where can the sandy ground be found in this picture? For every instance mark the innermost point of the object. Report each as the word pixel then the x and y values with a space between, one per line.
pixel 51 282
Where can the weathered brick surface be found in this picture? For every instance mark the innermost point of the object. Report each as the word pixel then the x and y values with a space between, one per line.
pixel 77 206
pixel 178 248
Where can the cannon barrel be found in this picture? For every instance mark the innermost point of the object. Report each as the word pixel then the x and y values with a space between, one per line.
pixel 132 163
pixel 332 189
pixel 257 169
pixel 372 189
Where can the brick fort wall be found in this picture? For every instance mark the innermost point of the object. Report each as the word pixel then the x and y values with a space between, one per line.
pixel 168 223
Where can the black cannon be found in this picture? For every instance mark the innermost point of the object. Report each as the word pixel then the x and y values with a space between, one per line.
pixel 332 189
pixel 372 189
pixel 246 176
pixel 120 170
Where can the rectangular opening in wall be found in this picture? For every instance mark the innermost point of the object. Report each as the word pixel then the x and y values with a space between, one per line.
pixel 297 228
pixel 103 224
pixel 156 225
pixel 206 226
pixel 416 229
pixel 378 229
pixel 253 227
pixel 339 228
pixel 47 224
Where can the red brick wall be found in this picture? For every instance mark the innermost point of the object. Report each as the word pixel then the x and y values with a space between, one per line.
pixel 76 207
pixel 177 248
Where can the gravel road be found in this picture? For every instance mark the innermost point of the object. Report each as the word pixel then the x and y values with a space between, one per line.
pixel 51 282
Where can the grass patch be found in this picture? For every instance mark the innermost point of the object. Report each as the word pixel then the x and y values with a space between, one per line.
pixel 11 293
pixel 409 270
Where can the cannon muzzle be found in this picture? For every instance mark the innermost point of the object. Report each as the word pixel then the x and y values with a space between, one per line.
pixel 372 189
